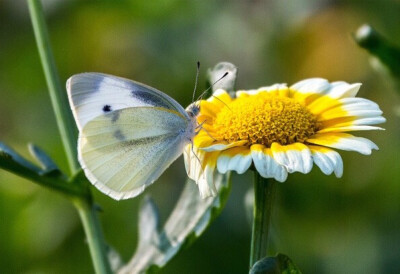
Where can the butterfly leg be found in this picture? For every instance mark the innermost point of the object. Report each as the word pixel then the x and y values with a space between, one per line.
pixel 192 148
pixel 190 158
pixel 200 127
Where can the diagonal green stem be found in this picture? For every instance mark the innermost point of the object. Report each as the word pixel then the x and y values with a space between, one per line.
pixel 67 129
pixel 46 181
pixel 264 196
pixel 58 96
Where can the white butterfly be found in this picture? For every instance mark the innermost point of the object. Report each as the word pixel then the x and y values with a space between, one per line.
pixel 129 133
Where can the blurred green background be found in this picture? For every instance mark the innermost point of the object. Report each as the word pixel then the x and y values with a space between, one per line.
pixel 326 225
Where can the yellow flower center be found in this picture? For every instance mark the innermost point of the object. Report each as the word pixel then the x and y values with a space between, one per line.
pixel 264 119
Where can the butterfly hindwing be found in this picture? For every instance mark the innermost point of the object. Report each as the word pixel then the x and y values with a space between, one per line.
pixel 125 150
pixel 94 94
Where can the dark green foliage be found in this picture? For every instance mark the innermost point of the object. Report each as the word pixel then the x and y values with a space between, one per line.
pixel 380 47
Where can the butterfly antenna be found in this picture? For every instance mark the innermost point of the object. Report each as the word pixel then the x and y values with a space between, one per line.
pixel 201 96
pixel 222 102
pixel 204 92
pixel 197 78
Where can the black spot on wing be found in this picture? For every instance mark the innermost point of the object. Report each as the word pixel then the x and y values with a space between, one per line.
pixel 107 108
pixel 151 99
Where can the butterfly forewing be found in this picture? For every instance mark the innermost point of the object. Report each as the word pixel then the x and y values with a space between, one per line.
pixel 94 94
pixel 123 155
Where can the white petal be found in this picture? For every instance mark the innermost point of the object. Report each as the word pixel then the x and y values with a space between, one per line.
pixel 238 162
pixel 225 146
pixel 220 97
pixel 364 112
pixel 348 128
pixel 295 157
pixel 369 121
pixel 203 178
pixel 360 103
pixel 344 141
pixel 192 163
pixel 357 107
pixel 313 85
pixel 343 89
pixel 274 87
pixel 246 92
pixel 215 147
pixel 206 183
pixel 266 165
pixel 356 111
pixel 360 122
pixel 219 91
pixel 327 103
pixel 327 160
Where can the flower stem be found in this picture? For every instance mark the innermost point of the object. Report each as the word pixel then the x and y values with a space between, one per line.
pixel 67 128
pixel 58 96
pixel 91 225
pixel 264 196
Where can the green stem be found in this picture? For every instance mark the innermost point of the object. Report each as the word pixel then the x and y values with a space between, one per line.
pixel 43 180
pixel 58 95
pixel 67 129
pixel 264 196
pixel 87 213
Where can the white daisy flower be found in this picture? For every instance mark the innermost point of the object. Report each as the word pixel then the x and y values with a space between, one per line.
pixel 280 130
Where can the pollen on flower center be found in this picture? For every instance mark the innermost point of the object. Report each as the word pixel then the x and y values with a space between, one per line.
pixel 264 119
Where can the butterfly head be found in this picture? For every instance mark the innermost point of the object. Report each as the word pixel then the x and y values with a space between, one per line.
pixel 193 110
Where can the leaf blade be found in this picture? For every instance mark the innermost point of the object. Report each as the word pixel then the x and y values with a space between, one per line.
pixel 48 166
pixel 188 220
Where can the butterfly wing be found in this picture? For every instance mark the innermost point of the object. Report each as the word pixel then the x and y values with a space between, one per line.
pixel 94 94
pixel 124 151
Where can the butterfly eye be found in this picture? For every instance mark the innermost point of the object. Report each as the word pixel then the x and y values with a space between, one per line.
pixel 193 110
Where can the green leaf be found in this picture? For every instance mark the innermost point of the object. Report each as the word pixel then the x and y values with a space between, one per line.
pixel 281 264
pixel 228 82
pixel 149 223
pixel 377 45
pixel 188 220
pixel 47 164
pixel 13 162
